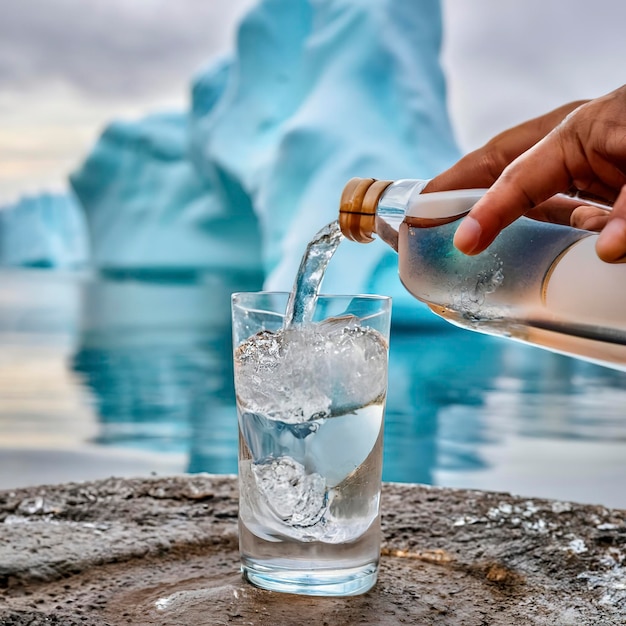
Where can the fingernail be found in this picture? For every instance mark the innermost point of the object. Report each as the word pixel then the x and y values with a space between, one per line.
pixel 612 240
pixel 467 236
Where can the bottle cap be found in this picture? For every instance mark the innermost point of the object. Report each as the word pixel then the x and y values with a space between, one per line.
pixel 357 209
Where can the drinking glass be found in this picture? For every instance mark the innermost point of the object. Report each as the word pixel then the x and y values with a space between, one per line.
pixel 310 403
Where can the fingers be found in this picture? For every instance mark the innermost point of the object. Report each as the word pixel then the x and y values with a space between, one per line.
pixel 557 210
pixel 585 150
pixel 589 218
pixel 474 171
pixel 611 244
pixel 530 180
pixel 482 167
pixel 469 235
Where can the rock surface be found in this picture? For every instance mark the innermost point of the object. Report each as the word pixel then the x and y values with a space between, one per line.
pixel 164 551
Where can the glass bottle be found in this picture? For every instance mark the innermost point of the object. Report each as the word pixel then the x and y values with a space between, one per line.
pixel 539 283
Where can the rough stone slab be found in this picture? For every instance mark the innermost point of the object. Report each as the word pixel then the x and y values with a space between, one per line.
pixel 164 551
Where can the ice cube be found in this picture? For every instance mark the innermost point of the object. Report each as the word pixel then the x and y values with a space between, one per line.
pixel 312 371
pixel 355 364
pixel 296 497
pixel 341 445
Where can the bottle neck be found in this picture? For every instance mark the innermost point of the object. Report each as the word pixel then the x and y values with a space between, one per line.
pixel 392 207
pixel 371 206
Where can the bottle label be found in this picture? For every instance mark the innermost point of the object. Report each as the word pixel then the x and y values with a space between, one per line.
pixel 582 288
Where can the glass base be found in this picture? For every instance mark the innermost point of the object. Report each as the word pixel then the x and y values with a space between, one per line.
pixel 329 582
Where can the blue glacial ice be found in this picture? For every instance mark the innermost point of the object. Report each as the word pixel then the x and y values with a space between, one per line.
pixel 315 92
pixel 46 230
pixel 147 206
pixel 318 92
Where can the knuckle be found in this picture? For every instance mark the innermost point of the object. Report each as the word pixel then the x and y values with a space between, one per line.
pixel 492 162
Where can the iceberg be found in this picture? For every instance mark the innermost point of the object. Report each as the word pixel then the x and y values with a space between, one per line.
pixel 148 208
pixel 319 92
pixel 46 230
pixel 315 92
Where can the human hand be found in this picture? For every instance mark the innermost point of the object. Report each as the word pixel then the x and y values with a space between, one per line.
pixel 611 244
pixel 580 146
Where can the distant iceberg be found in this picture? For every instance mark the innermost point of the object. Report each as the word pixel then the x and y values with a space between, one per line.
pixel 314 94
pixel 147 207
pixel 47 230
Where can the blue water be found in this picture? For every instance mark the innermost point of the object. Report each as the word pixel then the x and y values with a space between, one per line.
pixel 127 374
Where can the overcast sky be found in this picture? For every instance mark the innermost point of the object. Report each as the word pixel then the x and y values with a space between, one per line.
pixel 106 48
pixel 509 60
pixel 69 66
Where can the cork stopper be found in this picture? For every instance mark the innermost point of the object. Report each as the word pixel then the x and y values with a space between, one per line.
pixel 357 209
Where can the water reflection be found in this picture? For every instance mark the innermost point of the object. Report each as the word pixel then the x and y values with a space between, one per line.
pixel 154 355
pixel 157 356
pixel 433 374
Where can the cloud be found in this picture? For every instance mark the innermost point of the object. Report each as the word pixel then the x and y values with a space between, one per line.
pixel 109 47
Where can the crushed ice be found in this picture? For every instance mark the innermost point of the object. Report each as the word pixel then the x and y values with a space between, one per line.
pixel 310 372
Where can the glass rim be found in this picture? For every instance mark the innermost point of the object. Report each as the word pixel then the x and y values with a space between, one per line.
pixel 337 296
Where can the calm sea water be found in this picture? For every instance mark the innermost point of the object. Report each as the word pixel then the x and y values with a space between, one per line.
pixel 131 375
